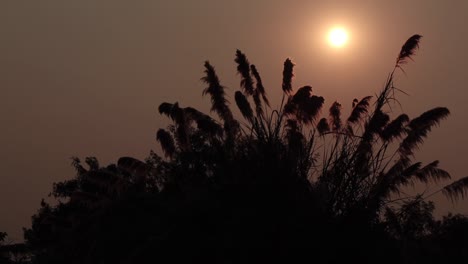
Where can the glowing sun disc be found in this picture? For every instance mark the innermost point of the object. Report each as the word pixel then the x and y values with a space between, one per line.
pixel 338 37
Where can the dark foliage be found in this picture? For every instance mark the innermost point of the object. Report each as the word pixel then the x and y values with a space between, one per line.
pixel 282 187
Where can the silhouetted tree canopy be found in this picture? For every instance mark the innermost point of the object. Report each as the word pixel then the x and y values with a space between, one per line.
pixel 293 183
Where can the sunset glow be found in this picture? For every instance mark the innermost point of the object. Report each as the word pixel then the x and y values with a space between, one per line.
pixel 338 37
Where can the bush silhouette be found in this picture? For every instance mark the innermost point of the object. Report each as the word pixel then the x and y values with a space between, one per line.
pixel 282 184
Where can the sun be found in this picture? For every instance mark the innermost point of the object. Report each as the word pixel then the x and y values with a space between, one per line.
pixel 338 37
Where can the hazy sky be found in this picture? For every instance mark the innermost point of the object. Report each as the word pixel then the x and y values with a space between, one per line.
pixel 85 78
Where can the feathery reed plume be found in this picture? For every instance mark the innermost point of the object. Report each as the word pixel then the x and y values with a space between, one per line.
pixel 287 76
pixel 429 118
pixel 335 116
pixel 395 129
pixel 166 141
pixel 166 109
pixel 407 173
pixel 424 174
pixel 311 108
pixel 219 104
pixel 305 106
pixel 323 126
pixel 359 109
pixel 389 182
pixel 244 105
pixel 258 103
pixel 178 115
pixel 299 98
pixel 432 172
pixel 243 68
pixel 376 124
pixel 289 107
pixel 419 127
pixel 408 49
pixel 302 94
pixel 456 189
pixel 259 86
pixel 259 92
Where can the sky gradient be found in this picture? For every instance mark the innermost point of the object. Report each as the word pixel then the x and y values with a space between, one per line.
pixel 85 78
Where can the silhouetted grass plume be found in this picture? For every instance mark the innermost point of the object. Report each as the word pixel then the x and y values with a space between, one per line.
pixel 290 183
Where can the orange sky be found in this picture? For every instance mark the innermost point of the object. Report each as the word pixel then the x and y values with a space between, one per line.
pixel 84 78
